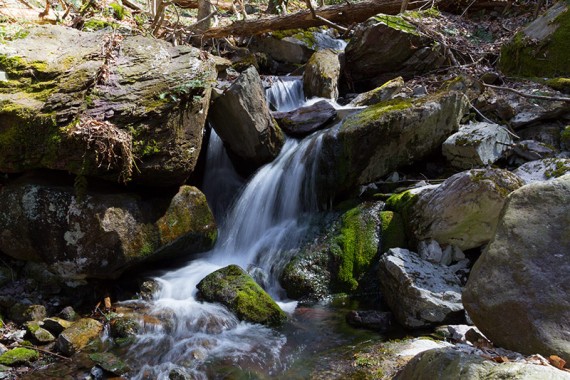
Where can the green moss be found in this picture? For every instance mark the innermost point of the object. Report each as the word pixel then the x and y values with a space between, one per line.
pixel 565 137
pixel 428 13
pixel 550 58
pixel 118 10
pixel 397 22
pixel 559 84
pixel 354 248
pixel 393 232
pixel 18 356
pixel 93 25
pixel 12 31
pixel 307 36
pixel 559 168
pixel 375 112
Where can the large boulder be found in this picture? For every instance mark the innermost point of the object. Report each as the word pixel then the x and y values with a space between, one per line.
pixel 517 293
pixel 477 144
pixel 234 288
pixel 321 75
pixel 379 139
pixel 542 49
pixel 450 363
pixel 463 211
pixel 102 234
pixel 116 107
pixel 339 257
pixel 306 120
pixel 242 119
pixel 419 293
pixel 387 47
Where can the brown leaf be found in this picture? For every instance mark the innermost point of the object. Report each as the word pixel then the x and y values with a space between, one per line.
pixel 500 359
pixel 557 361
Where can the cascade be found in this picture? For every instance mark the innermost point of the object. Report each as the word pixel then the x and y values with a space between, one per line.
pixel 264 222
pixel 285 93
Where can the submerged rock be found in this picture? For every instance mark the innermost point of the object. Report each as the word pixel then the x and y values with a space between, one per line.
pixel 105 233
pixel 242 119
pixel 418 292
pixel 517 290
pixel 78 335
pixel 234 288
pixel 101 104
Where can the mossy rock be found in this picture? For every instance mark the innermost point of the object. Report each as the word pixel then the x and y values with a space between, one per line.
pixel 78 335
pixel 393 231
pixel 559 84
pixel 110 362
pixel 18 356
pixel 38 333
pixel 542 49
pixel 234 288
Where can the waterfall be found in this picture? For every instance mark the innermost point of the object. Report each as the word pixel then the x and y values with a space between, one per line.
pixel 266 220
pixel 285 93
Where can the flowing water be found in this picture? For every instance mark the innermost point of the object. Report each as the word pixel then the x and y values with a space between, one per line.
pixel 266 220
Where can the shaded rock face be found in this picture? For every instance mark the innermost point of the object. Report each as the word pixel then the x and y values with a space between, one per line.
pixel 542 49
pixel 234 288
pixel 451 363
pixel 91 103
pixel 339 258
pixel 418 292
pixel 242 119
pixel 321 75
pixel 306 120
pixel 102 235
pixel 388 47
pixel 476 144
pixel 464 209
pixel 517 293
pixel 374 142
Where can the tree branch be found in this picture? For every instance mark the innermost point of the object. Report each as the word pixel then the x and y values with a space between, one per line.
pixel 541 97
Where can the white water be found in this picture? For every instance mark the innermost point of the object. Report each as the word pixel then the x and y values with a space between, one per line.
pixel 285 93
pixel 267 219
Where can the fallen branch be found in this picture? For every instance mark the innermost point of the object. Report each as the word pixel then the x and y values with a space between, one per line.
pixel 49 352
pixel 327 22
pixel 531 96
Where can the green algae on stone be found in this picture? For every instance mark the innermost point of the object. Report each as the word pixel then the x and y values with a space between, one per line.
pixel 393 231
pixel 18 356
pixel 396 22
pixel 559 84
pixel 234 288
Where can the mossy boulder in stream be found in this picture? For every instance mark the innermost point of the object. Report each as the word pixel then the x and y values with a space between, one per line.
pixel 234 288
pixel 78 335
pixel 542 49
pixel 102 104
pixel 103 233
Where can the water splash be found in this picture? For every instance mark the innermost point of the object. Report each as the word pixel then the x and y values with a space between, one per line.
pixel 285 93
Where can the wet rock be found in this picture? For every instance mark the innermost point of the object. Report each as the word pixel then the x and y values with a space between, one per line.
pixel 387 47
pixel 419 293
pixel 377 140
pixel 476 144
pixel 23 312
pixel 56 325
pixel 379 94
pixel 517 291
pixel 150 109
pixel 148 289
pixel 234 288
pixel 463 211
pixel 38 333
pixel 242 119
pixel 110 363
pixel 306 120
pixel 380 321
pixel 78 335
pixel 450 363
pixel 546 36
pixel 338 258
pixel 321 75
pixel 453 333
pixel 125 327
pixel 18 356
pixel 103 234
pixel 547 169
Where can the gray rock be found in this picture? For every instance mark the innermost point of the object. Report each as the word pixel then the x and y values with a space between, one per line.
pixel 431 251
pixel 388 47
pixel 463 210
pixel 377 140
pixel 98 110
pixel 533 150
pixel 380 321
pixel 242 119
pixel 419 293
pixel 517 291
pixel 321 75
pixel 451 364
pixel 380 94
pixel 102 235
pixel 306 120
pixel 476 144
pixel 546 169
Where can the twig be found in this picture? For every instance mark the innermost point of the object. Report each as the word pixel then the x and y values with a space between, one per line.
pixel 48 352
pixel 541 97
pixel 327 22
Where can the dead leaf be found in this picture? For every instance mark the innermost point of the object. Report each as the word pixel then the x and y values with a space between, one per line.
pixel 557 361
